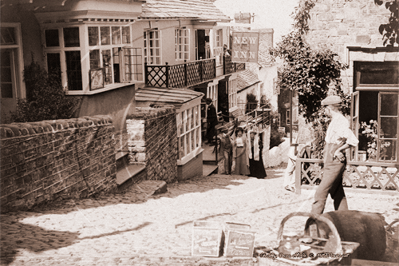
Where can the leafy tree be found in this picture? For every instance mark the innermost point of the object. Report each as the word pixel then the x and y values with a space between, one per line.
pixel 310 72
pixel 46 99
pixel 390 31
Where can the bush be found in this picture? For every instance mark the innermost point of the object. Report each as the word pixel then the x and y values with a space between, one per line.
pixel 276 137
pixel 252 103
pixel 46 99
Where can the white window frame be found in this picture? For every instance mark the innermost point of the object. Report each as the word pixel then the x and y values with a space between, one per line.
pixel 17 63
pixel 182 44
pixel 212 92
pixel 189 133
pixel 155 59
pixel 232 93
pixel 219 38
pixel 85 48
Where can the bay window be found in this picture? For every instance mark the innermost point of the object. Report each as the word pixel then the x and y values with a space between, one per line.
pixel 188 133
pixel 91 57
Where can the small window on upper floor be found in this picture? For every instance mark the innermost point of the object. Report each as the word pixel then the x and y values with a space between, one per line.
pixel 71 37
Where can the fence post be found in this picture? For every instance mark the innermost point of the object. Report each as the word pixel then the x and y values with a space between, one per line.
pixel 146 74
pixel 167 74
pixel 298 169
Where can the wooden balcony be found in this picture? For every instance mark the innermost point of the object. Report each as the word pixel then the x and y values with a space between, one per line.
pixel 189 73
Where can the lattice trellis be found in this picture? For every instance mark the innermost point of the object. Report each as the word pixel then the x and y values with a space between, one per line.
pixel 176 76
pixel 383 178
pixel 208 69
pixel 156 76
pixel 240 66
pixel 369 177
pixel 187 74
pixel 193 73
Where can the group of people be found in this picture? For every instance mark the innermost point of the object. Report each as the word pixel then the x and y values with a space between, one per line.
pixel 242 155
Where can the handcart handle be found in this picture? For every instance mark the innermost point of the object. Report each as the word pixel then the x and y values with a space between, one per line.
pixel 338 244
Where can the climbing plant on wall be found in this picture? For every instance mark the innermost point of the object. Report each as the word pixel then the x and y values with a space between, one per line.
pixel 309 72
pixel 390 30
pixel 306 70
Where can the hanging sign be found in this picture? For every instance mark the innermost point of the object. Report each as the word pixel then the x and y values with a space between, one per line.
pixel 245 47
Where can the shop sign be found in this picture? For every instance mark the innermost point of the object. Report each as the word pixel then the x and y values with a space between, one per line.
pixel 245 47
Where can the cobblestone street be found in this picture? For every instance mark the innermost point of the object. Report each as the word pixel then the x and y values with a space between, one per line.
pixel 132 228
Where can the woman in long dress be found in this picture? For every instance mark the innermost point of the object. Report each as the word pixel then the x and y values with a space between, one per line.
pixel 256 166
pixel 240 155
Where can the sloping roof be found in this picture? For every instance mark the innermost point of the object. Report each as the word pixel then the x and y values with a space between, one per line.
pixel 245 79
pixel 192 9
pixel 167 96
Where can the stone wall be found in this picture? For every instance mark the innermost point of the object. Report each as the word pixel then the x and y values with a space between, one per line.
pixel 153 141
pixel 47 160
pixel 337 24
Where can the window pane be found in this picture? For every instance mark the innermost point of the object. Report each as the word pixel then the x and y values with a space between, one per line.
pixel 181 152
pixel 379 73
pixel 71 37
pixel 186 137
pixel 388 150
pixel 52 38
pixel 105 36
pixel 93 36
pixel 198 136
pixel 54 65
pixel 125 35
pixel 74 71
pixel 178 121
pixel 7 35
pixel 389 104
pixel 116 35
pixel 94 59
pixel 389 127
pixel 189 116
pixel 6 90
pixel 6 74
pixel 192 140
pixel 107 66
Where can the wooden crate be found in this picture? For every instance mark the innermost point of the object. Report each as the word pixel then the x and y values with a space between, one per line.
pixel 206 239
pixel 239 240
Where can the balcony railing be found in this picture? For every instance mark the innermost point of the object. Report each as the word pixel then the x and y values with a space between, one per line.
pixel 187 74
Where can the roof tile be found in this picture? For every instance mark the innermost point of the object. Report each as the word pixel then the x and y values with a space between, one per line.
pixel 245 79
pixel 194 9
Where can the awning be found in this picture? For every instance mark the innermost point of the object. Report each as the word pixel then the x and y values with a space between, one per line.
pixel 177 97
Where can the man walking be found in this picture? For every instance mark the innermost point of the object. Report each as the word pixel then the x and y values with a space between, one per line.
pixel 338 138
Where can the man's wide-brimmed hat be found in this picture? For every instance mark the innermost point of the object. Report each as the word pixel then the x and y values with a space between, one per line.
pixel 330 100
pixel 208 100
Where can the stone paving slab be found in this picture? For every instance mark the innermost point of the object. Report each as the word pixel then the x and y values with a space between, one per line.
pixel 135 228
